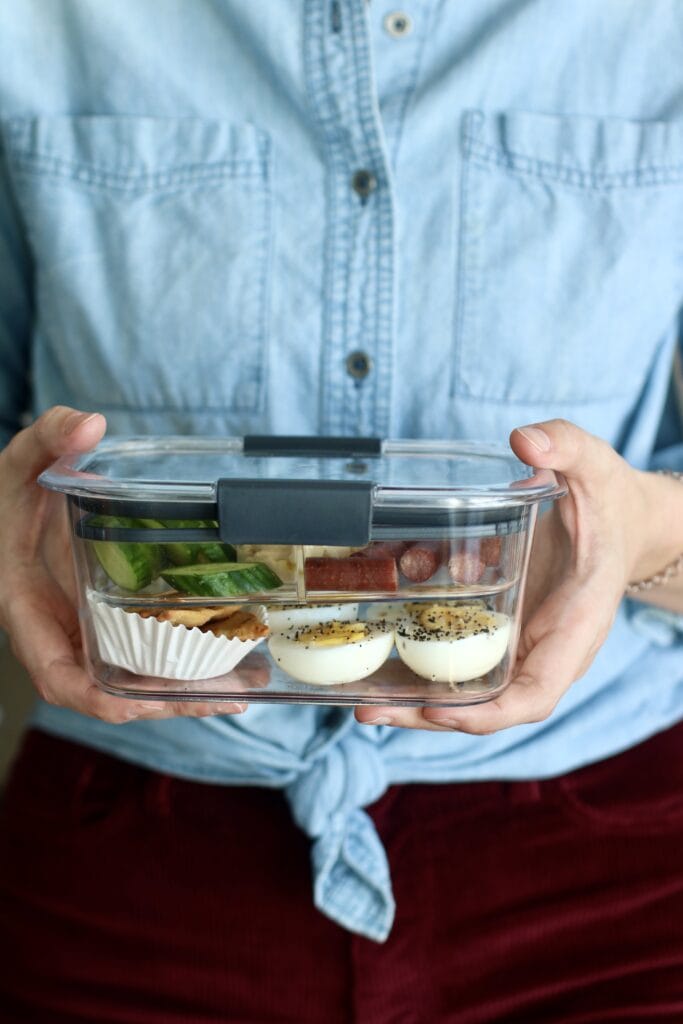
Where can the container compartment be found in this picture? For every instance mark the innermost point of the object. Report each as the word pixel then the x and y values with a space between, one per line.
pixel 454 651
pixel 332 571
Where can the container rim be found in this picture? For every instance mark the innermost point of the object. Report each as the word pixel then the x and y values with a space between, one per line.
pixel 69 475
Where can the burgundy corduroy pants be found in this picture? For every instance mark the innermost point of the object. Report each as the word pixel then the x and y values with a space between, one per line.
pixel 127 897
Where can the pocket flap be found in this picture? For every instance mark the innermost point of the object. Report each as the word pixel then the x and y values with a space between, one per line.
pixel 585 151
pixel 128 151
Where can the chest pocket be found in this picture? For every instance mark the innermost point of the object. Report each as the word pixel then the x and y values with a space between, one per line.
pixel 151 239
pixel 571 267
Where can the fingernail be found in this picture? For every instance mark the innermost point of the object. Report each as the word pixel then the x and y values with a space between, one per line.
pixel 77 419
pixel 150 705
pixel 538 438
pixel 233 709
pixel 382 720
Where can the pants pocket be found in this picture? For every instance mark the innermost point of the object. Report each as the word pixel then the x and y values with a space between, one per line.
pixel 640 790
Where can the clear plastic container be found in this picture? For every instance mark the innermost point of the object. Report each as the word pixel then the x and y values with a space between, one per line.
pixel 314 570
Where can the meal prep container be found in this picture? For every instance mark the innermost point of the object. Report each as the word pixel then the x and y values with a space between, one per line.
pixel 301 570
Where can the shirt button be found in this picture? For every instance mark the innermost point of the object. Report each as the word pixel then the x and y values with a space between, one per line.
pixel 358 365
pixel 363 183
pixel 397 24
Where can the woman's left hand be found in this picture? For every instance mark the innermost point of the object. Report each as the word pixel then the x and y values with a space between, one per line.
pixel 615 525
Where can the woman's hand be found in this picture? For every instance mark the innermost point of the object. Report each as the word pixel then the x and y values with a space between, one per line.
pixel 616 525
pixel 37 586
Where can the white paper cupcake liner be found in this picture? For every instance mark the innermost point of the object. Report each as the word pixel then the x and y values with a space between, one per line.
pixel 151 648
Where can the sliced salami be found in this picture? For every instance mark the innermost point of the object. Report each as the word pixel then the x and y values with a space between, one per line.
pixel 490 550
pixel 419 563
pixel 382 549
pixel 465 567
pixel 351 574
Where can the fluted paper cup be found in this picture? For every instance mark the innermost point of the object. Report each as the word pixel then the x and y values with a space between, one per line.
pixel 151 648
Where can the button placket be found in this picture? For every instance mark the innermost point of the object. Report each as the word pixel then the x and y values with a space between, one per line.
pixel 358 272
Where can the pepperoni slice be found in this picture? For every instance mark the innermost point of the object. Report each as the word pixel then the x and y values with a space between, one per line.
pixel 490 550
pixel 382 549
pixel 419 563
pixel 362 574
pixel 465 567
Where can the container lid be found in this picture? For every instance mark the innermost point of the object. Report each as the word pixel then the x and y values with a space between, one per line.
pixel 309 490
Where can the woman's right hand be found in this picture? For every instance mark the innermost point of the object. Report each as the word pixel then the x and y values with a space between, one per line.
pixel 37 586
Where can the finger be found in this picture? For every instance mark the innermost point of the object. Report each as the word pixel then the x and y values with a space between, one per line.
pixel 65 684
pixel 59 431
pixel 559 653
pixel 118 710
pixel 54 547
pixel 405 718
pixel 562 639
pixel 560 445
pixel 44 631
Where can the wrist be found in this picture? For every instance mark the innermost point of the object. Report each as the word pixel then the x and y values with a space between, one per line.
pixel 658 500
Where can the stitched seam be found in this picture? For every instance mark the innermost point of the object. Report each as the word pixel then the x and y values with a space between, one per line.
pixel 638 177
pixel 177 409
pixel 83 174
pixel 262 335
pixel 384 277
pixel 545 400
pixel 338 225
pixel 461 303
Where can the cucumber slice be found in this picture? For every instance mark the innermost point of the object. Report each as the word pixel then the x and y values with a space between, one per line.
pixel 222 579
pixel 214 551
pixel 133 566
pixel 182 554
pixel 202 551
pixel 129 566
pixel 207 551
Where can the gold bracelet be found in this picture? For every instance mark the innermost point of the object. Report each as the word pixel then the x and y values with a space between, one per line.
pixel 669 571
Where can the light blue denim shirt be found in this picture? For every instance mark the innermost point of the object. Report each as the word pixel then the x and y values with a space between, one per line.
pixel 187 245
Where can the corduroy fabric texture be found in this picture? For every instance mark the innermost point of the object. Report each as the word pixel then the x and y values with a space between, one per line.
pixel 128 897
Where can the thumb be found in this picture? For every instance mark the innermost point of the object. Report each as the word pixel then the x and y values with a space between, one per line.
pixel 562 446
pixel 59 431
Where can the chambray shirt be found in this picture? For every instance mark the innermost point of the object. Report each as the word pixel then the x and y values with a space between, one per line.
pixel 206 208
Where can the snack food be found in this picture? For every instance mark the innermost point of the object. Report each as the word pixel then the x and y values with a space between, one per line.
pixel 490 550
pixel 176 643
pixel 341 540
pixel 334 652
pixel 452 643
pixel 466 567
pixel 382 549
pixel 222 579
pixel 282 618
pixel 227 620
pixel 352 574
pixel 281 558
pixel 421 560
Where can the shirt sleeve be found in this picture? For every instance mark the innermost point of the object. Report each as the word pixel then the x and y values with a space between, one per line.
pixel 658 625
pixel 668 452
pixel 15 309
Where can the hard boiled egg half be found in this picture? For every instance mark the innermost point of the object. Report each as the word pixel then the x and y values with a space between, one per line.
pixel 329 653
pixel 284 618
pixel 452 643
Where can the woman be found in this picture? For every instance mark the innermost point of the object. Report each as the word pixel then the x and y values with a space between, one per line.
pixel 452 221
